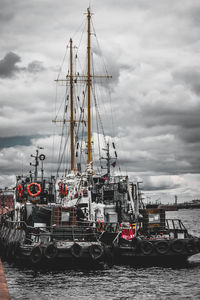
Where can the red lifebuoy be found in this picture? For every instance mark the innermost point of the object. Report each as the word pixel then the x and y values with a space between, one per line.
pixel 63 189
pixel 37 185
pixel 19 191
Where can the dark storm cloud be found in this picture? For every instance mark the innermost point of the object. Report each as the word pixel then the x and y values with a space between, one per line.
pixel 147 186
pixel 9 67
pixel 35 67
pixel 16 141
pixel 190 135
pixel 158 115
pixel 189 76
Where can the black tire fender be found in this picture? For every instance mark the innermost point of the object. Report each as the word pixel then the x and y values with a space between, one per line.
pixel 162 247
pixel 146 247
pixel 76 250
pixel 96 251
pixel 177 245
pixel 51 251
pixel 36 255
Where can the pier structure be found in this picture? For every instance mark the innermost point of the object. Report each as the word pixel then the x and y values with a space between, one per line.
pixel 4 293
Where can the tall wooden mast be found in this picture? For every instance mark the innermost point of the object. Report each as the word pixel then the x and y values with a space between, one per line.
pixel 89 94
pixel 87 78
pixel 71 108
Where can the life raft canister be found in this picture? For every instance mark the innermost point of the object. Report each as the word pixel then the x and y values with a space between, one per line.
pixel 29 191
pixel 19 191
pixel 63 189
pixel 100 226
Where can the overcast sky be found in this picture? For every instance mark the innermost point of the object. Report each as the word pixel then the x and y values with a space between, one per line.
pixel 151 48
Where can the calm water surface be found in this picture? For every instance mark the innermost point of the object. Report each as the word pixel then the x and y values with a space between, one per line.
pixel 120 282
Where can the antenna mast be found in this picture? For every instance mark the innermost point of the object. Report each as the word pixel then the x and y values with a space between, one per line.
pixel 88 83
pixel 71 108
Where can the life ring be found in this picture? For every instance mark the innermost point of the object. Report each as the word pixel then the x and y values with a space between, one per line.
pixel 76 250
pixel 146 247
pixel 50 251
pixel 34 184
pixel 19 191
pixel 177 246
pixel 36 255
pixel 190 246
pixel 63 189
pixel 162 247
pixel 42 157
pixel 95 251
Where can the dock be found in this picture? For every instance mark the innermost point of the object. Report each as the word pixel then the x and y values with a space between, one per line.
pixel 4 293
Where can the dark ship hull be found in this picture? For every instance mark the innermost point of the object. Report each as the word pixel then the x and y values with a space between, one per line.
pixel 156 252
pixel 56 248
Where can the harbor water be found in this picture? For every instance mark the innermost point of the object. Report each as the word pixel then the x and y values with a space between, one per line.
pixel 119 282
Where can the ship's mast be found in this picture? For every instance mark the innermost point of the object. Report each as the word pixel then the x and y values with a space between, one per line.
pixel 71 108
pixel 70 78
pixel 89 94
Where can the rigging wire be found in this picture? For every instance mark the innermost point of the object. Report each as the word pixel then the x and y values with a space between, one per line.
pixel 113 127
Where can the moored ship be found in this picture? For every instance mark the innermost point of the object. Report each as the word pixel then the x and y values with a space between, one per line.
pixel 88 216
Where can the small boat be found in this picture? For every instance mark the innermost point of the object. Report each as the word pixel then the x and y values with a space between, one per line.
pixel 154 240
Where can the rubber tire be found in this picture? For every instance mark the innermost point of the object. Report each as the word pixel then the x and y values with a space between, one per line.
pixel 162 247
pixel 50 251
pixel 96 251
pixel 36 255
pixel 146 247
pixel 76 250
pixel 177 246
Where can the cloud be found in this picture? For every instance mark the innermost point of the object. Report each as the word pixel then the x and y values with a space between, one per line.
pixel 151 49
pixel 8 65
pixel 189 76
pixel 35 67
pixel 12 141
